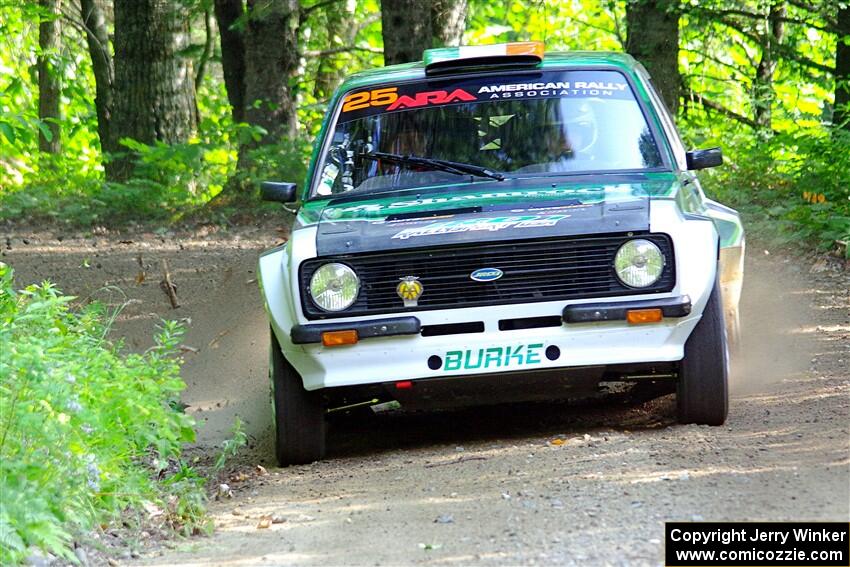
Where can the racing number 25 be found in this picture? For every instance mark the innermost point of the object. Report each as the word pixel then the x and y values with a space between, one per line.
pixel 365 99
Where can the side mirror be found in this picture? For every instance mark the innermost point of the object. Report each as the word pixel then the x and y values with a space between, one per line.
pixel 278 191
pixel 701 159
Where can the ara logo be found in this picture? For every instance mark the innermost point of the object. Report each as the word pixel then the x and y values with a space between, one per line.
pixel 431 97
pixel 486 274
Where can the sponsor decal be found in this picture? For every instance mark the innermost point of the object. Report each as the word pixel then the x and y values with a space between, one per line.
pixel 486 274
pixel 365 99
pixel 390 98
pixel 493 357
pixel 431 97
pixel 557 88
pixel 553 84
pixel 588 195
pixel 471 225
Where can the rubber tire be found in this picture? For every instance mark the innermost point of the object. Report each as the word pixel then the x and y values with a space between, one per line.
pixel 702 393
pixel 299 415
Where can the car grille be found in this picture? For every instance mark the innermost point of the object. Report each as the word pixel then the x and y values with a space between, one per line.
pixel 534 270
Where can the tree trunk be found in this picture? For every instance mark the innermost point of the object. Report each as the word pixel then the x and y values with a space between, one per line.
pixel 763 93
pixel 842 70
pixel 227 12
pixel 209 47
pixel 271 59
pixel 406 29
pixel 448 22
pixel 653 39
pixel 49 39
pixel 97 39
pixel 154 83
pixel 341 33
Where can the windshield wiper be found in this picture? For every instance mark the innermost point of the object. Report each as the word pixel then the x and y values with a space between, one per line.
pixel 436 164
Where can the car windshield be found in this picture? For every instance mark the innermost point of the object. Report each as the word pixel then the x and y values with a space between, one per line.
pixel 552 122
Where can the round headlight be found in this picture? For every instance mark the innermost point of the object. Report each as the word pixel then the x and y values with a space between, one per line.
pixel 639 263
pixel 334 287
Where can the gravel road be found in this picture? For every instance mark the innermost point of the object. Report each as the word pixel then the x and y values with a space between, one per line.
pixel 514 484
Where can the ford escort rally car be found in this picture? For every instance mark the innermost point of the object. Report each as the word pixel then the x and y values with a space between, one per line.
pixel 495 224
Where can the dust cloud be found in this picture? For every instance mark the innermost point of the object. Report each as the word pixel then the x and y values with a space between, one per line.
pixel 775 318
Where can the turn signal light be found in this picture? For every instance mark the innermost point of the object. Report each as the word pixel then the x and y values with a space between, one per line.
pixel 641 316
pixel 339 338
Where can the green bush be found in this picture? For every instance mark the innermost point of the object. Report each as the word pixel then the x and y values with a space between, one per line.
pixel 169 181
pixel 792 187
pixel 85 431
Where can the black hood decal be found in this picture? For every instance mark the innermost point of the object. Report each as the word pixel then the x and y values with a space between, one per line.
pixel 488 222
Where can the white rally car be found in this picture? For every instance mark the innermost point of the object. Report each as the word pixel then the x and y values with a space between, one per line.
pixel 498 224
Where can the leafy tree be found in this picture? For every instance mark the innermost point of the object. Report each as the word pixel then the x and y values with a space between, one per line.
pixel 274 35
pixel 745 60
pixel 653 39
pixel 228 15
pixel 340 36
pixel 48 76
pixel 271 59
pixel 411 26
pixel 97 40
pixel 842 68
pixel 406 27
pixel 766 79
pixel 154 83
pixel 448 21
pixel 771 38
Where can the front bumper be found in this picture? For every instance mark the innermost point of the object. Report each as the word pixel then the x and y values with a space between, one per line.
pixel 673 307
pixel 414 356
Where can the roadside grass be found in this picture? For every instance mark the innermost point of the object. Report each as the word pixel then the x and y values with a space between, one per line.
pixel 88 435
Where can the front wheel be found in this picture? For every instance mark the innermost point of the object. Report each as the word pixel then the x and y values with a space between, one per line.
pixel 299 415
pixel 702 394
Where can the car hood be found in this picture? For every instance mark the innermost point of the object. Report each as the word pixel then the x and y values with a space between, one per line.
pixel 515 209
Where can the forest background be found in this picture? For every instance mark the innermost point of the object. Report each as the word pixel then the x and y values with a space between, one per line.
pixel 126 111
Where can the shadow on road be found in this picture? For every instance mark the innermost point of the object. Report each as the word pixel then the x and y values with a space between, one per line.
pixel 363 433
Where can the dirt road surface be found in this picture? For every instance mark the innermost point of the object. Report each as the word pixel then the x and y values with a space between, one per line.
pixel 517 484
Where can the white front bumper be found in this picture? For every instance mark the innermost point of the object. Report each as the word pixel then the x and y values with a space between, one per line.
pixel 406 357
pixel 387 359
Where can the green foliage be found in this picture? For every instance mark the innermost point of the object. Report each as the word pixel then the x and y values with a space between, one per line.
pixel 230 447
pixel 793 187
pixel 721 48
pixel 283 161
pixel 720 51
pixel 20 161
pixel 598 25
pixel 169 180
pixel 84 429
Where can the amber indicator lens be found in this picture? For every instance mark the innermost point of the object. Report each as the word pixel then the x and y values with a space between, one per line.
pixel 641 316
pixel 339 338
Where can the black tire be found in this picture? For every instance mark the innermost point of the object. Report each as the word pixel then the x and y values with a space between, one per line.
pixel 702 394
pixel 299 415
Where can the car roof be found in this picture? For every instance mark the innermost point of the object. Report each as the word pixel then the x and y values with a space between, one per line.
pixel 551 60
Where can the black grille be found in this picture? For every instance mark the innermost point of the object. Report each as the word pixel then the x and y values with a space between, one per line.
pixel 534 270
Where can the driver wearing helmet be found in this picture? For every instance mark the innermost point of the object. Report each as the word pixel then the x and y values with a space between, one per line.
pixel 571 138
